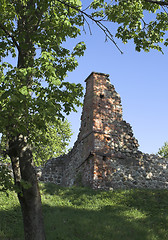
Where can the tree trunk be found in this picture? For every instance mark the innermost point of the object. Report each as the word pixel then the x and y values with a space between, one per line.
pixel 28 190
pixel 19 150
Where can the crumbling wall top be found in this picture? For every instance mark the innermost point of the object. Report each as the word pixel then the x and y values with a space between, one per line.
pixel 97 73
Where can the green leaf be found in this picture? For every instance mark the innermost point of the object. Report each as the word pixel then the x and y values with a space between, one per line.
pixel 23 90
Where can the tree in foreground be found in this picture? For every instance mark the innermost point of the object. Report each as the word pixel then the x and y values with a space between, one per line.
pixel 33 91
pixel 163 151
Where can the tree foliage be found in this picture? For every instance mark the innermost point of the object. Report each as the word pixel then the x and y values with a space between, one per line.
pixel 33 92
pixel 51 143
pixel 143 21
pixel 6 178
pixel 146 22
pixel 163 151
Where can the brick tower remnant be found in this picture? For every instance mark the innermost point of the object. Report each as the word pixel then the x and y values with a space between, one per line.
pixel 108 138
pixel 104 141
pixel 101 122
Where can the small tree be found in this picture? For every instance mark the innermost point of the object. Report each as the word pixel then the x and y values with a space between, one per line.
pixel 53 143
pixel 163 151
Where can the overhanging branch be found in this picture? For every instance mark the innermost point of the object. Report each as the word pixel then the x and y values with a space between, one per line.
pixel 161 3
pixel 11 36
pixel 106 31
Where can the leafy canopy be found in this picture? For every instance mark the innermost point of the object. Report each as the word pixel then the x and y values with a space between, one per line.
pixel 33 91
pixel 144 21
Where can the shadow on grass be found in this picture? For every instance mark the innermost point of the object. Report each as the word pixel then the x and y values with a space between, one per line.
pixel 106 224
pixel 11 225
pixel 100 215
pixel 154 204
pixel 96 215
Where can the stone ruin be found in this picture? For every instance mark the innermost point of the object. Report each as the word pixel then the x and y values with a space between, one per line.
pixel 106 155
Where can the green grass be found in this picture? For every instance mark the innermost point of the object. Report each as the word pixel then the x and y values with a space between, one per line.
pixel 85 214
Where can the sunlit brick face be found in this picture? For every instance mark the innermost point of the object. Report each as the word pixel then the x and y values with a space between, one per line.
pixel 102 117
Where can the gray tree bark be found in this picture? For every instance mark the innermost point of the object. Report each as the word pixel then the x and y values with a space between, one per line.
pixel 28 190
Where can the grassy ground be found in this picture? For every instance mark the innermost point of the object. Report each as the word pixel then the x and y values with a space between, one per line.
pixel 84 214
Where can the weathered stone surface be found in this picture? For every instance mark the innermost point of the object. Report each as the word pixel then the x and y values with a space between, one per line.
pixel 106 155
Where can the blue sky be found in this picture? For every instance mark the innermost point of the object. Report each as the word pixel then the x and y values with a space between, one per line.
pixel 141 79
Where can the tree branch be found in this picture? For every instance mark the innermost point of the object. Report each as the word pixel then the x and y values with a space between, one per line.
pixel 161 3
pixel 106 31
pixel 163 7
pixel 11 36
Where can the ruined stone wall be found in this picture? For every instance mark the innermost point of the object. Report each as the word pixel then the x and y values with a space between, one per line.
pixel 106 153
pixel 150 171
pixel 70 169
pixel 53 170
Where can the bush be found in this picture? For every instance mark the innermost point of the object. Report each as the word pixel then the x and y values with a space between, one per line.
pixel 163 151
